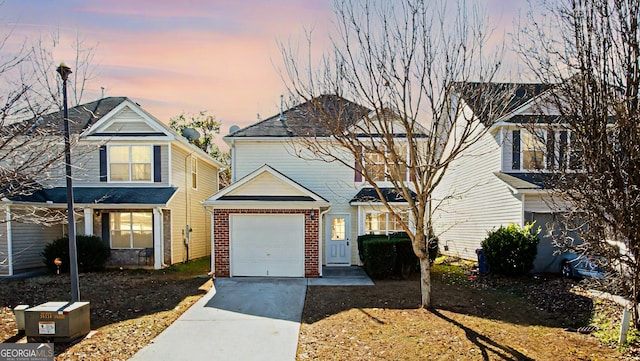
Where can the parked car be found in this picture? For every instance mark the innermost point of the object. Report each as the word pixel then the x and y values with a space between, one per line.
pixel 579 266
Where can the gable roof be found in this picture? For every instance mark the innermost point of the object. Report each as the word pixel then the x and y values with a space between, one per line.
pixel 299 120
pixel 500 99
pixel 249 192
pixel 81 117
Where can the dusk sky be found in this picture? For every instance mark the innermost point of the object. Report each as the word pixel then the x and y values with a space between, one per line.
pixel 216 55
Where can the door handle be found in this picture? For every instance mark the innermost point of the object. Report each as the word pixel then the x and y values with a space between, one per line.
pixel 347 243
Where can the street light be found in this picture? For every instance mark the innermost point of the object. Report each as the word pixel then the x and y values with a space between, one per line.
pixel 64 72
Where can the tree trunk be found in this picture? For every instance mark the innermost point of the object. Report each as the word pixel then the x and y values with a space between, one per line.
pixel 425 281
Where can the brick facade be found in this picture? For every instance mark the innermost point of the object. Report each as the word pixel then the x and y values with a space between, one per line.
pixel 311 237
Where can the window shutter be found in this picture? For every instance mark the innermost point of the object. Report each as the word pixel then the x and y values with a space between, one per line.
pixel 105 229
pixel 551 151
pixel 357 177
pixel 103 163
pixel 157 167
pixel 562 150
pixel 515 157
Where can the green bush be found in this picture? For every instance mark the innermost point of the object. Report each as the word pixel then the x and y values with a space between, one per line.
pixel 511 250
pixel 379 257
pixel 384 256
pixel 92 253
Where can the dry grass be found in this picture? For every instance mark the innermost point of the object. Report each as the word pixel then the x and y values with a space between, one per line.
pixel 471 321
pixel 128 307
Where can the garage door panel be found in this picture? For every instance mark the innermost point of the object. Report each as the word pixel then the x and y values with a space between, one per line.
pixel 267 245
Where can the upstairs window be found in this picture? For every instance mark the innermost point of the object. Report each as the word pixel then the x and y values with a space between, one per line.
pixel 533 149
pixel 130 163
pixel 194 172
pixel 379 166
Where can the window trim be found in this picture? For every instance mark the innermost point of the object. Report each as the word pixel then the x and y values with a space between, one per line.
pixel 130 163
pixel 543 161
pixel 194 174
pixel 131 229
pixel 386 170
pixel 388 221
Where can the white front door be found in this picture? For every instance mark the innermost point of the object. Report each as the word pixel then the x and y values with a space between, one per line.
pixel 338 244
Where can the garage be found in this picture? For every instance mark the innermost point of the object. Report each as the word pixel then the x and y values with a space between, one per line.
pixel 269 245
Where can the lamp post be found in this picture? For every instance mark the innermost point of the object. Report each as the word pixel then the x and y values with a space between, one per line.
pixel 64 72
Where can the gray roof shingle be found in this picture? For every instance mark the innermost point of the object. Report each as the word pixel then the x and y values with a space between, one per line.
pixel 497 99
pixel 81 116
pixel 301 120
pixel 102 195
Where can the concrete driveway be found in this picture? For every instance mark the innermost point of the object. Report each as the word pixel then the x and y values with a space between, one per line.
pixel 239 319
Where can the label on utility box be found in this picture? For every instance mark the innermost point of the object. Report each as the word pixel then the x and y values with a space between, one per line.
pixel 47 327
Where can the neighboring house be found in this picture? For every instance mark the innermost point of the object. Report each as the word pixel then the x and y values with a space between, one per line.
pixel 501 178
pixel 287 213
pixel 137 184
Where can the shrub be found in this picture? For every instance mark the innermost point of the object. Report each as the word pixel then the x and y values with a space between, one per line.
pixel 379 257
pixel 392 255
pixel 511 250
pixel 92 253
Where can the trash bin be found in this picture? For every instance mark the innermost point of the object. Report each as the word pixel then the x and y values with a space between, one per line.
pixel 482 262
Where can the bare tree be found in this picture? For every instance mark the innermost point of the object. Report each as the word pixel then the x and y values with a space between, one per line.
pixel 30 148
pixel 589 50
pixel 408 63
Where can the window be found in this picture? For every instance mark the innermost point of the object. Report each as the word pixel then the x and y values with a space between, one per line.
pixel 533 149
pixel 379 170
pixel 130 163
pixel 194 172
pixel 131 229
pixel 384 222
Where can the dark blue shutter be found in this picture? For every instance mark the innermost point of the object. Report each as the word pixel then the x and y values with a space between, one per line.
pixel 157 161
pixel 103 163
pixel 106 235
pixel 562 150
pixel 515 157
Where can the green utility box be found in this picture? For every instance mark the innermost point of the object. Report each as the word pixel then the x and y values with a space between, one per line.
pixel 57 322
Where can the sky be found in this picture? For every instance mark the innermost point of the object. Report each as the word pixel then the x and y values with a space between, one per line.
pixel 221 56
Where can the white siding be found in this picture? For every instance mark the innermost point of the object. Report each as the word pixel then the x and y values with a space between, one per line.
pixel 471 201
pixel 331 180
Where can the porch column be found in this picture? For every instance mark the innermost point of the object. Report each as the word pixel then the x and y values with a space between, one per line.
pixel 157 238
pixel 88 221
pixel 9 240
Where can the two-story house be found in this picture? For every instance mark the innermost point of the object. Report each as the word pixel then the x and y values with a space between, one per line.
pixel 288 212
pixel 137 184
pixel 501 179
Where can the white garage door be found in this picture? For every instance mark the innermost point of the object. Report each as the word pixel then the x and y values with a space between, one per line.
pixel 267 245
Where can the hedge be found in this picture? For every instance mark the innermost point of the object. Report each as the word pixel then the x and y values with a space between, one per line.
pixel 91 250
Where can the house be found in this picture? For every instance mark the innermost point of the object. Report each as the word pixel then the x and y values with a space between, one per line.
pixel 137 184
pixel 288 212
pixel 501 179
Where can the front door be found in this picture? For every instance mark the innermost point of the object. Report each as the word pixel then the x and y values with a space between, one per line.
pixel 338 244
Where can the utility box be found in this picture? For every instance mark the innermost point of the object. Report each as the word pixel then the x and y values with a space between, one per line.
pixel 18 312
pixel 57 322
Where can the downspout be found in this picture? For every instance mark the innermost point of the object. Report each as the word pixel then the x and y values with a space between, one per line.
pixel 322 238
pixel 213 249
pixel 9 241
pixel 233 160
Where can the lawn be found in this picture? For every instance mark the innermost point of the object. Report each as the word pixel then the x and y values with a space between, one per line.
pixel 128 307
pixel 488 319
pixel 483 319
